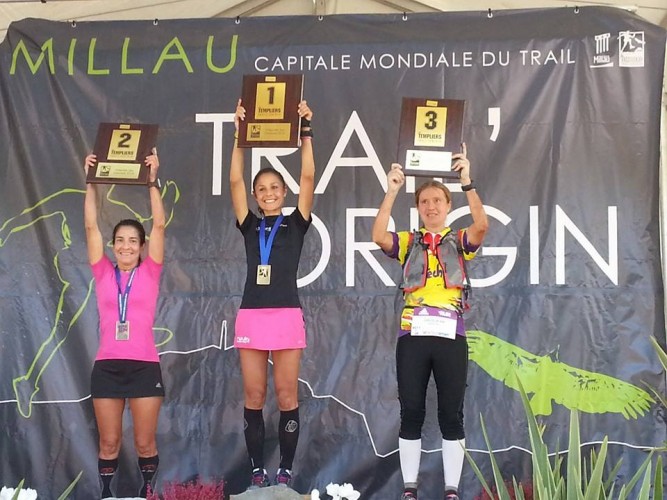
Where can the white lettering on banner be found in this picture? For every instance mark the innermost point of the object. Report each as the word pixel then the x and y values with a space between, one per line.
pixel 332 62
pixel 534 245
pixel 371 159
pixel 510 253
pixel 325 240
pixel 491 58
pixel 218 120
pixel 432 60
pixel 546 58
pixel 363 247
pixel 493 116
pixel 354 125
pixel 563 222
pixel 417 60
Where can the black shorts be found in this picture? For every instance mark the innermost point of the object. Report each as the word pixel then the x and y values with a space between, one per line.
pixel 125 378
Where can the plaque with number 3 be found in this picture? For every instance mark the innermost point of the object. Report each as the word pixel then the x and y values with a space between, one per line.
pixel 430 133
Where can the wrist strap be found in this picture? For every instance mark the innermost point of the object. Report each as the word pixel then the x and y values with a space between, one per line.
pixel 468 187
pixel 306 128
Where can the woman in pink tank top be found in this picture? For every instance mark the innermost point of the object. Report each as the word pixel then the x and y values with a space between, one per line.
pixel 127 365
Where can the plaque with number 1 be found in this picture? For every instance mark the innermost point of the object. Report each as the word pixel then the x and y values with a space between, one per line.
pixel 271 103
pixel 121 149
pixel 430 133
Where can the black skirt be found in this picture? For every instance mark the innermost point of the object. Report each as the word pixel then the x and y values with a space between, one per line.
pixel 125 378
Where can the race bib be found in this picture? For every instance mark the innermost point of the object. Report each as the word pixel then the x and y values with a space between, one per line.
pixel 429 322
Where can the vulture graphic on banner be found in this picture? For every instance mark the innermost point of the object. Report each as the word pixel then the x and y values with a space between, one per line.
pixel 550 380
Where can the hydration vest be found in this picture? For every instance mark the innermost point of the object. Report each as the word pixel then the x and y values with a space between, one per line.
pixel 449 252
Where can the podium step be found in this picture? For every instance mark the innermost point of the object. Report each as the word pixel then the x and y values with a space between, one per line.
pixel 270 493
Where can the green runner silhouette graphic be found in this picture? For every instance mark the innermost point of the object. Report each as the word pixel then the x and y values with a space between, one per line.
pixel 26 386
pixel 549 380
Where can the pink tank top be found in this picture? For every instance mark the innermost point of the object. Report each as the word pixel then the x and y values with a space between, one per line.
pixel 141 306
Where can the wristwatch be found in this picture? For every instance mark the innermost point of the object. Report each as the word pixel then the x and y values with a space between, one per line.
pixel 156 183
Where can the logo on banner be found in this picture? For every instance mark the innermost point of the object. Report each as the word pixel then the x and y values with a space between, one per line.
pixel 602 57
pixel 631 49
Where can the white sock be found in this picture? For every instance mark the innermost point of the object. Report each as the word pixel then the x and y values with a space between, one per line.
pixel 452 461
pixel 410 453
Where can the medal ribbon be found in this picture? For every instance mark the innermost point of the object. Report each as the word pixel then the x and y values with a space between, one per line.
pixel 123 296
pixel 266 242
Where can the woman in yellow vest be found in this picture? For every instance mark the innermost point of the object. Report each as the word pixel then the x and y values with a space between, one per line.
pixel 432 334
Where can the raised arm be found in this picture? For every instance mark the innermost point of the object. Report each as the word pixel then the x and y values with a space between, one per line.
pixel 395 180
pixel 307 181
pixel 156 242
pixel 93 234
pixel 236 182
pixel 480 224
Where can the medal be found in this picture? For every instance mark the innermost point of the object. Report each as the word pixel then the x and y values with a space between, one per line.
pixel 265 245
pixel 122 330
pixel 264 274
pixel 122 325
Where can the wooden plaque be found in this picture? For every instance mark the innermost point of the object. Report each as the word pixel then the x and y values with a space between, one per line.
pixel 430 132
pixel 271 103
pixel 121 149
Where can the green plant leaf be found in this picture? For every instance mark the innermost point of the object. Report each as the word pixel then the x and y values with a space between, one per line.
pixel 70 487
pixel 561 489
pixel 518 490
pixel 540 453
pixel 574 459
pixel 582 478
pixel 646 485
pixel 18 489
pixel 633 481
pixel 610 491
pixel 662 355
pixel 477 472
pixel 594 486
pixel 503 494
pixel 657 482
pixel 611 476
pixel 659 397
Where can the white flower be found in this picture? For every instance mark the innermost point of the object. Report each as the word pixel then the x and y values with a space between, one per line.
pixel 348 492
pixel 8 494
pixel 344 492
pixel 332 490
pixel 315 495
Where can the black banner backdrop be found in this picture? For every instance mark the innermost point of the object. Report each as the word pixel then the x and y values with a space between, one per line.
pixel 562 128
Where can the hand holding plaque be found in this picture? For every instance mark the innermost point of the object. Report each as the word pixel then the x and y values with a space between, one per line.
pixel 120 150
pixel 271 111
pixel 430 133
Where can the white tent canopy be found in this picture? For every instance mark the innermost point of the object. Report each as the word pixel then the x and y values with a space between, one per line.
pixel 654 11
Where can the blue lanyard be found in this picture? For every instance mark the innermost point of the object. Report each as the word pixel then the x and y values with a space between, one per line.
pixel 266 242
pixel 123 296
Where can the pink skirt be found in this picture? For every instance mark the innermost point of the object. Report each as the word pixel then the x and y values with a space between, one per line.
pixel 270 329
